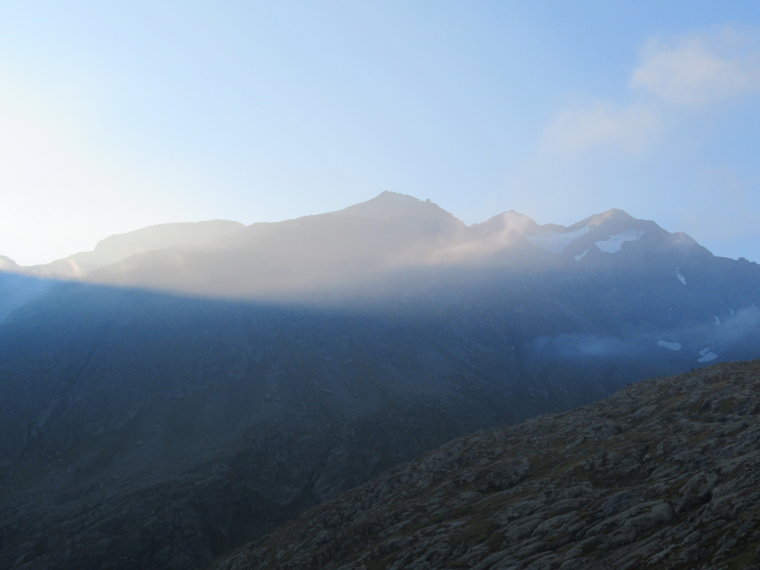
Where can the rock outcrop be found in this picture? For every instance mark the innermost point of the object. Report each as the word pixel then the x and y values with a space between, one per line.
pixel 664 474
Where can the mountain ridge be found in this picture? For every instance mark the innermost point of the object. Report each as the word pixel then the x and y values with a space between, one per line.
pixel 362 244
pixel 386 205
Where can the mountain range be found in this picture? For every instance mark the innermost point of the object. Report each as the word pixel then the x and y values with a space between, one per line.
pixel 186 388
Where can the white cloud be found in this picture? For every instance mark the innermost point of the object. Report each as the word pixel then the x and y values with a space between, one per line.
pixel 688 72
pixel 699 69
pixel 630 128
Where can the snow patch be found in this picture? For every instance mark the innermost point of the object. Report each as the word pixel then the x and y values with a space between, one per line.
pixel 579 257
pixel 556 242
pixel 669 345
pixel 615 242
pixel 706 355
pixel 681 278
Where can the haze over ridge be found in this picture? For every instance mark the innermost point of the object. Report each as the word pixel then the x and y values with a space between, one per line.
pixel 357 246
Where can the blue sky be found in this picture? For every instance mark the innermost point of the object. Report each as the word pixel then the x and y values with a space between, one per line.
pixel 117 115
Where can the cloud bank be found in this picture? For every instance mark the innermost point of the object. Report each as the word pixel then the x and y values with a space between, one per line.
pixel 683 73
pixel 700 69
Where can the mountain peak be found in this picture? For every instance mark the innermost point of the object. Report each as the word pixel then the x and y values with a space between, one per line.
pixel 390 195
pixel 615 220
pixel 611 215
pixel 511 221
pixel 388 204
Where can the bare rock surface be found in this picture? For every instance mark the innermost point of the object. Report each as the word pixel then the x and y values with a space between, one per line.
pixel 664 474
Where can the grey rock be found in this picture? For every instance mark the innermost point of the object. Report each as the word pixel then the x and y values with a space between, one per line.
pixel 606 503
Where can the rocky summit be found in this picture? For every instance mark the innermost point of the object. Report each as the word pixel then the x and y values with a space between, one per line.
pixel 664 474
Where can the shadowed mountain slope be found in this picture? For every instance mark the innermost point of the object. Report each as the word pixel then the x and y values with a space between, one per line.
pixel 124 412
pixel 664 474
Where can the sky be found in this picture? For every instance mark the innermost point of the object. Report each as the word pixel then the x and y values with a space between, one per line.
pixel 118 115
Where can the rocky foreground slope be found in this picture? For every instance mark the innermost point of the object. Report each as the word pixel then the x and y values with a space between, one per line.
pixel 664 474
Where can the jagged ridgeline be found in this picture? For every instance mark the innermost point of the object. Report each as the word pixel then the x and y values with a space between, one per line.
pixel 186 388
